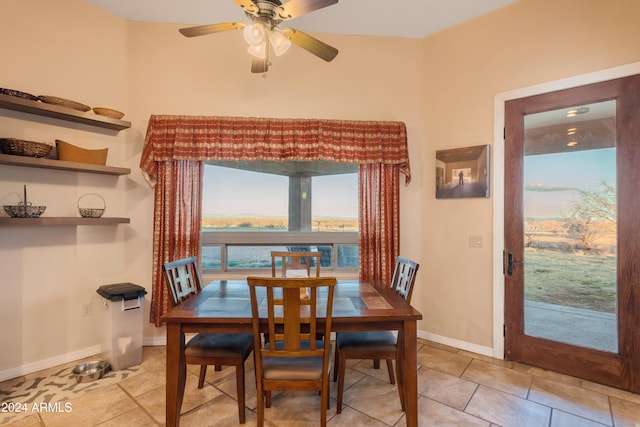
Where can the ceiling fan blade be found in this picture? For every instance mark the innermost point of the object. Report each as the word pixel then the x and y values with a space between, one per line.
pixel 247 5
pixel 294 8
pixel 201 30
pixel 261 65
pixel 311 44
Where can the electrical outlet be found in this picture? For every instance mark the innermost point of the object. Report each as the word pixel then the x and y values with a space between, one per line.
pixel 475 241
pixel 86 310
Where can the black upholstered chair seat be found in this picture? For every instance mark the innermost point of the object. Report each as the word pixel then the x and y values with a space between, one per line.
pixel 219 345
pixel 361 340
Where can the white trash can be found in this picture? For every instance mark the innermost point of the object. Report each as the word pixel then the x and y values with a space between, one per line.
pixel 123 341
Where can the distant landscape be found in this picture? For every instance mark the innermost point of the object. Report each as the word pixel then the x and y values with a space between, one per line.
pixel 254 223
pixel 257 256
pixel 560 270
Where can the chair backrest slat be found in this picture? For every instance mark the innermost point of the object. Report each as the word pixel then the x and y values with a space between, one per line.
pixel 287 261
pixel 183 279
pixel 292 320
pixel 404 276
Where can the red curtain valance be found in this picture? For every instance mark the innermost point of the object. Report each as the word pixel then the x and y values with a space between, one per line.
pixel 247 138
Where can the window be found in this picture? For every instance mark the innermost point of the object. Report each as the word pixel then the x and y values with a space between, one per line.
pixel 240 200
pixel 252 208
pixel 334 205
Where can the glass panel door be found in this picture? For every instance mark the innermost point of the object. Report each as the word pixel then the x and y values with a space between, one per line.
pixel 570 245
pixel 572 234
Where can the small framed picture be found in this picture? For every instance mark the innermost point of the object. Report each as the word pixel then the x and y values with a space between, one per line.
pixel 462 172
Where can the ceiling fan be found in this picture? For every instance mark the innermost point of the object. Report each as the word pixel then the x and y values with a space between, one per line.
pixel 263 33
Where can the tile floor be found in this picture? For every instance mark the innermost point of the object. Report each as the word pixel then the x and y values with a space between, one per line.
pixel 456 388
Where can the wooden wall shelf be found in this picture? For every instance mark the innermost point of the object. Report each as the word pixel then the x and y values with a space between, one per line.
pixel 63 113
pixel 34 162
pixel 14 222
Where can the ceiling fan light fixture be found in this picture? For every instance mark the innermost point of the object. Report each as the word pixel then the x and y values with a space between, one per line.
pixel 263 35
pixel 255 34
pixel 279 42
pixel 258 50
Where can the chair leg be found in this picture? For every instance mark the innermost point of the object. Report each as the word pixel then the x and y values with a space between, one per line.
pixel 392 380
pixel 218 368
pixel 328 394
pixel 341 366
pixel 203 373
pixel 324 404
pixel 240 391
pixel 376 363
pixel 400 374
pixel 267 398
pixel 261 395
pixel 400 371
pixel 335 363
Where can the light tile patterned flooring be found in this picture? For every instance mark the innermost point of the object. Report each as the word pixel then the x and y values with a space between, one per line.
pixel 456 388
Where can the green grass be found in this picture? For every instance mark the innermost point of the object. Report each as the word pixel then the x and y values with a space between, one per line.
pixel 571 279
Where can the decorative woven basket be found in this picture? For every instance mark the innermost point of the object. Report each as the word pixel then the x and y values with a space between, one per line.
pixel 54 100
pixel 108 112
pixel 19 94
pixel 72 153
pixel 18 147
pixel 91 212
pixel 22 211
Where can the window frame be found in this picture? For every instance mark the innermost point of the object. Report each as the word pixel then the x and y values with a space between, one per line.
pixel 224 239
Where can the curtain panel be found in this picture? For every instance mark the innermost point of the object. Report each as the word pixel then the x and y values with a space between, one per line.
pixel 177 216
pixel 246 138
pixel 379 221
pixel 175 148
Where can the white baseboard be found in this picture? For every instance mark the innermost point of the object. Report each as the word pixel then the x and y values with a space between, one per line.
pixel 463 345
pixel 30 368
pixel 154 341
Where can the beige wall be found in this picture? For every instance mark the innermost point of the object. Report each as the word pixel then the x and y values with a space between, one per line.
pixel 524 44
pixel 73 50
pixel 442 87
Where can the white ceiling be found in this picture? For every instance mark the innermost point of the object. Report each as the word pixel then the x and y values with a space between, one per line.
pixel 402 18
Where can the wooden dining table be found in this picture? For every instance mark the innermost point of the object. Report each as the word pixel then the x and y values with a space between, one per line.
pixel 224 306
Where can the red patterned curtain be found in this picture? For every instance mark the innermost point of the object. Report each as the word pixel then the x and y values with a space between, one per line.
pixel 176 147
pixel 379 197
pixel 177 217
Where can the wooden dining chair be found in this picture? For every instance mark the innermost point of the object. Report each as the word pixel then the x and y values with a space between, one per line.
pixel 219 349
pixel 376 345
pixel 294 264
pixel 289 359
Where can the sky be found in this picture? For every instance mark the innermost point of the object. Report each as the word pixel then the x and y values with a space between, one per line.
pixel 233 192
pixel 551 180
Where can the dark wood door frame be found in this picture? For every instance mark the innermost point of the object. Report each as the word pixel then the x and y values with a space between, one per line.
pixel 621 369
pixel 498 180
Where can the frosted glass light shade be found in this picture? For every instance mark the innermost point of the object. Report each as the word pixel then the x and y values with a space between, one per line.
pixel 255 34
pixel 258 50
pixel 279 42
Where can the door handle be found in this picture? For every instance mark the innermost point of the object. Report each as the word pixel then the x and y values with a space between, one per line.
pixel 510 262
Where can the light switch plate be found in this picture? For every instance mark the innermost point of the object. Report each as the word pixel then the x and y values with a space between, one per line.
pixel 475 241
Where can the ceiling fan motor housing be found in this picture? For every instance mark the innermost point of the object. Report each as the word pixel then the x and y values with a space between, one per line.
pixel 267 13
